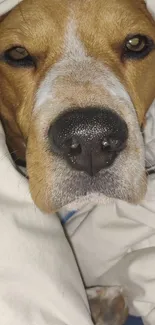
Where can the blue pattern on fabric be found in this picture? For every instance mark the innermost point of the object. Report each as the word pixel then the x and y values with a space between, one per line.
pixel 67 217
pixel 134 321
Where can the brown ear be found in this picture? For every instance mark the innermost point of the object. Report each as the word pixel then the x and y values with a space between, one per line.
pixel 14 137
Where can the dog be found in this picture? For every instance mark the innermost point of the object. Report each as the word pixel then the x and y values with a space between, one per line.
pixel 76 81
pixel 73 97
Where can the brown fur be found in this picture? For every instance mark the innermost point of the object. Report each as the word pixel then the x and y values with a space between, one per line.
pixel 40 26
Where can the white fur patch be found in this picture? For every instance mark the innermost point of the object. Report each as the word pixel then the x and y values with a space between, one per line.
pixel 82 67
pixel 74 49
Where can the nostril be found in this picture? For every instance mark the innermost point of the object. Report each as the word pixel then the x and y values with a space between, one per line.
pixel 114 145
pixel 74 147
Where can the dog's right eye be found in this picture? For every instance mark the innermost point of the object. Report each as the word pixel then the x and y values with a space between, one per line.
pixel 137 47
pixel 18 57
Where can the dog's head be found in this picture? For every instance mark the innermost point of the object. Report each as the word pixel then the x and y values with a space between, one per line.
pixel 76 80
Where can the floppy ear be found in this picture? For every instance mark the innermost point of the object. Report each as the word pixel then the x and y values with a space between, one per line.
pixel 14 137
pixel 151 6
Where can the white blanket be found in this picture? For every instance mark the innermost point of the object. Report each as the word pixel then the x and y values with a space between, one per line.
pixel 39 280
pixel 114 245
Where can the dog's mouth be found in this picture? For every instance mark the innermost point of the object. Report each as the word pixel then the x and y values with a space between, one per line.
pixel 124 180
pixel 75 189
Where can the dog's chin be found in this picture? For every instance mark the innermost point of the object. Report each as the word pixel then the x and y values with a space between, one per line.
pixel 89 199
pixel 74 190
pixel 97 198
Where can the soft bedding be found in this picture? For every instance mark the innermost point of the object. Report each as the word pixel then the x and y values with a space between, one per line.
pixel 115 244
pixel 40 282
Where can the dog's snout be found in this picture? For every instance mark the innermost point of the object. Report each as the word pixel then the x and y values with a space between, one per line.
pixel 88 138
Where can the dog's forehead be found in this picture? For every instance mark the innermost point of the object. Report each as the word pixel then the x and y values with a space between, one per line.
pixel 49 6
pixel 93 15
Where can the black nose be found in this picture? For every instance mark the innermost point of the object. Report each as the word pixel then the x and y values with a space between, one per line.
pixel 88 138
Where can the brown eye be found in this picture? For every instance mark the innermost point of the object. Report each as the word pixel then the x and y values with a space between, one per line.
pixel 18 53
pixel 137 46
pixel 18 57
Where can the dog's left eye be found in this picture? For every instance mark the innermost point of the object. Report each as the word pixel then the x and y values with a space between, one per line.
pixel 137 46
pixel 18 57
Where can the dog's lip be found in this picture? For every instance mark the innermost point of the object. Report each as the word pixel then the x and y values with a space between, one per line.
pixel 94 178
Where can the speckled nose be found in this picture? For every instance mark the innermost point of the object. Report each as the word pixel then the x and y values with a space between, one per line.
pixel 89 138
